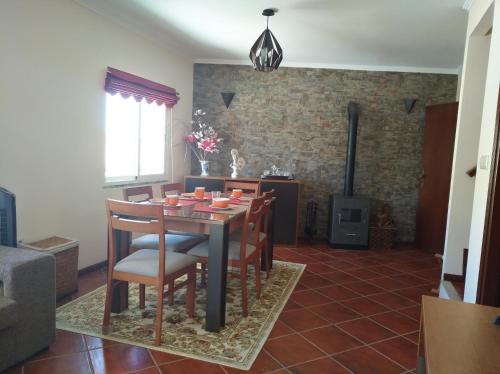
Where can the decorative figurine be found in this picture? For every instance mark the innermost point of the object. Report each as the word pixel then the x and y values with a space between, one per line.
pixel 237 164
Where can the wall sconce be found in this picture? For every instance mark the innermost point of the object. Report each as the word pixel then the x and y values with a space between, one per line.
pixel 409 104
pixel 227 97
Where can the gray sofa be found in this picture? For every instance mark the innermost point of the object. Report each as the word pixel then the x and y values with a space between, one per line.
pixel 27 304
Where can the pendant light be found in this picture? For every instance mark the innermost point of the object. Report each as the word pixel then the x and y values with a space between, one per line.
pixel 266 53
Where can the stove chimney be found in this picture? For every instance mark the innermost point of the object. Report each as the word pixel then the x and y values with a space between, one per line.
pixel 352 112
pixel 348 216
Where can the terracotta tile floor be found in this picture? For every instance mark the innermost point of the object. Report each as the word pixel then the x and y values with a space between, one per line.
pixel 352 311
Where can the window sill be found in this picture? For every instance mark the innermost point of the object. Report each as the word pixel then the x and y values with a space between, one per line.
pixel 132 183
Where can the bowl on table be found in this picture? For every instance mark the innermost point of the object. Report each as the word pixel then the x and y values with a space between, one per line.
pixel 220 202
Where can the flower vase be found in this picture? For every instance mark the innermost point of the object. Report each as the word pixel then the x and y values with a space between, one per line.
pixel 204 168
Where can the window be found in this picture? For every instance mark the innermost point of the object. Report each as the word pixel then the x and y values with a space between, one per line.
pixel 135 139
pixel 136 120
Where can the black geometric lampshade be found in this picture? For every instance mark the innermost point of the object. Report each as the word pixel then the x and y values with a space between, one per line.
pixel 266 53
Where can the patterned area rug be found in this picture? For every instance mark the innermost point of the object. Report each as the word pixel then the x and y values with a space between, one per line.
pixel 237 345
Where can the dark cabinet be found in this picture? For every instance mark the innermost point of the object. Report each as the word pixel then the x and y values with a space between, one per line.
pixel 287 193
pixel 210 184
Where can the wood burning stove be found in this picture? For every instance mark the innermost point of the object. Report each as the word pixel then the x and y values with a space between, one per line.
pixel 349 215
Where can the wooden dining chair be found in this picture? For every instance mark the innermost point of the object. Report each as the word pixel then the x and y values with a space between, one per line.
pixel 251 189
pixel 241 253
pixel 146 266
pixel 178 188
pixel 264 230
pixel 176 241
pixel 138 194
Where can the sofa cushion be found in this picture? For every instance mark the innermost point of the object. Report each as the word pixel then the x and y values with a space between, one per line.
pixel 8 312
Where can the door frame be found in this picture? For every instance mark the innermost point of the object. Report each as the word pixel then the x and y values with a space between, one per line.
pixel 488 288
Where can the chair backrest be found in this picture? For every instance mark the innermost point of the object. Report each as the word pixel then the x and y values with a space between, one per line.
pixel 249 188
pixel 268 197
pixel 171 187
pixel 138 194
pixel 136 218
pixel 253 216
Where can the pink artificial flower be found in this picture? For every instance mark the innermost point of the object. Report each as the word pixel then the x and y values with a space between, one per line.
pixel 189 138
pixel 207 144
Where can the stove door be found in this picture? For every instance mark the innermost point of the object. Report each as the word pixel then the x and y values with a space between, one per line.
pixel 350 218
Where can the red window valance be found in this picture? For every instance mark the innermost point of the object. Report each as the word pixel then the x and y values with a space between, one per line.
pixel 127 85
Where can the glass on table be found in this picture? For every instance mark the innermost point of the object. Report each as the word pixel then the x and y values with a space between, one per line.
pixel 199 192
pixel 237 193
pixel 215 194
pixel 172 200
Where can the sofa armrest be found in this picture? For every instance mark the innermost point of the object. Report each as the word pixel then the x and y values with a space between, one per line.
pixel 28 278
pixel 23 272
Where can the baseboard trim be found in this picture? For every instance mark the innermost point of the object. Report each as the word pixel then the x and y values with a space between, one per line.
pixel 91 268
pixel 453 277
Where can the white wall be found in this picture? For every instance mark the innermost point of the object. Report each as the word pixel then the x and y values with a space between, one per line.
pixel 466 147
pixel 478 11
pixel 459 81
pixel 53 56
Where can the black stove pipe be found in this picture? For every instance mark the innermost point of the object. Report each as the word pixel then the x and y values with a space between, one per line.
pixel 352 111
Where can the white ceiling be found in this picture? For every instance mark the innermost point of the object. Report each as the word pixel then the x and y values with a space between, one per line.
pixel 393 35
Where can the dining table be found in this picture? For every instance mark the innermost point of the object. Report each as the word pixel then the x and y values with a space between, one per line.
pixel 197 216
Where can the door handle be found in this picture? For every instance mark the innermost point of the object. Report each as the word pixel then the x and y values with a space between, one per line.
pixel 421 179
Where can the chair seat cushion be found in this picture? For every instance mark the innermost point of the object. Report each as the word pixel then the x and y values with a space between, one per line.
pixel 236 236
pixel 8 312
pixel 145 262
pixel 202 249
pixel 192 234
pixel 173 242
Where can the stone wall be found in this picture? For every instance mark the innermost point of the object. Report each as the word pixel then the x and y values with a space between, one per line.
pixel 296 118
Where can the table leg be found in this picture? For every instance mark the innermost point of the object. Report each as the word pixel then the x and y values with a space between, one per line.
pixel 120 291
pixel 217 275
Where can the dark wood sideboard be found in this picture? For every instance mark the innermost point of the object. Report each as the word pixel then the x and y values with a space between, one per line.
pixel 287 193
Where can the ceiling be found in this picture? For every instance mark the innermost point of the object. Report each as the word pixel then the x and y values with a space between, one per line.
pixel 392 35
